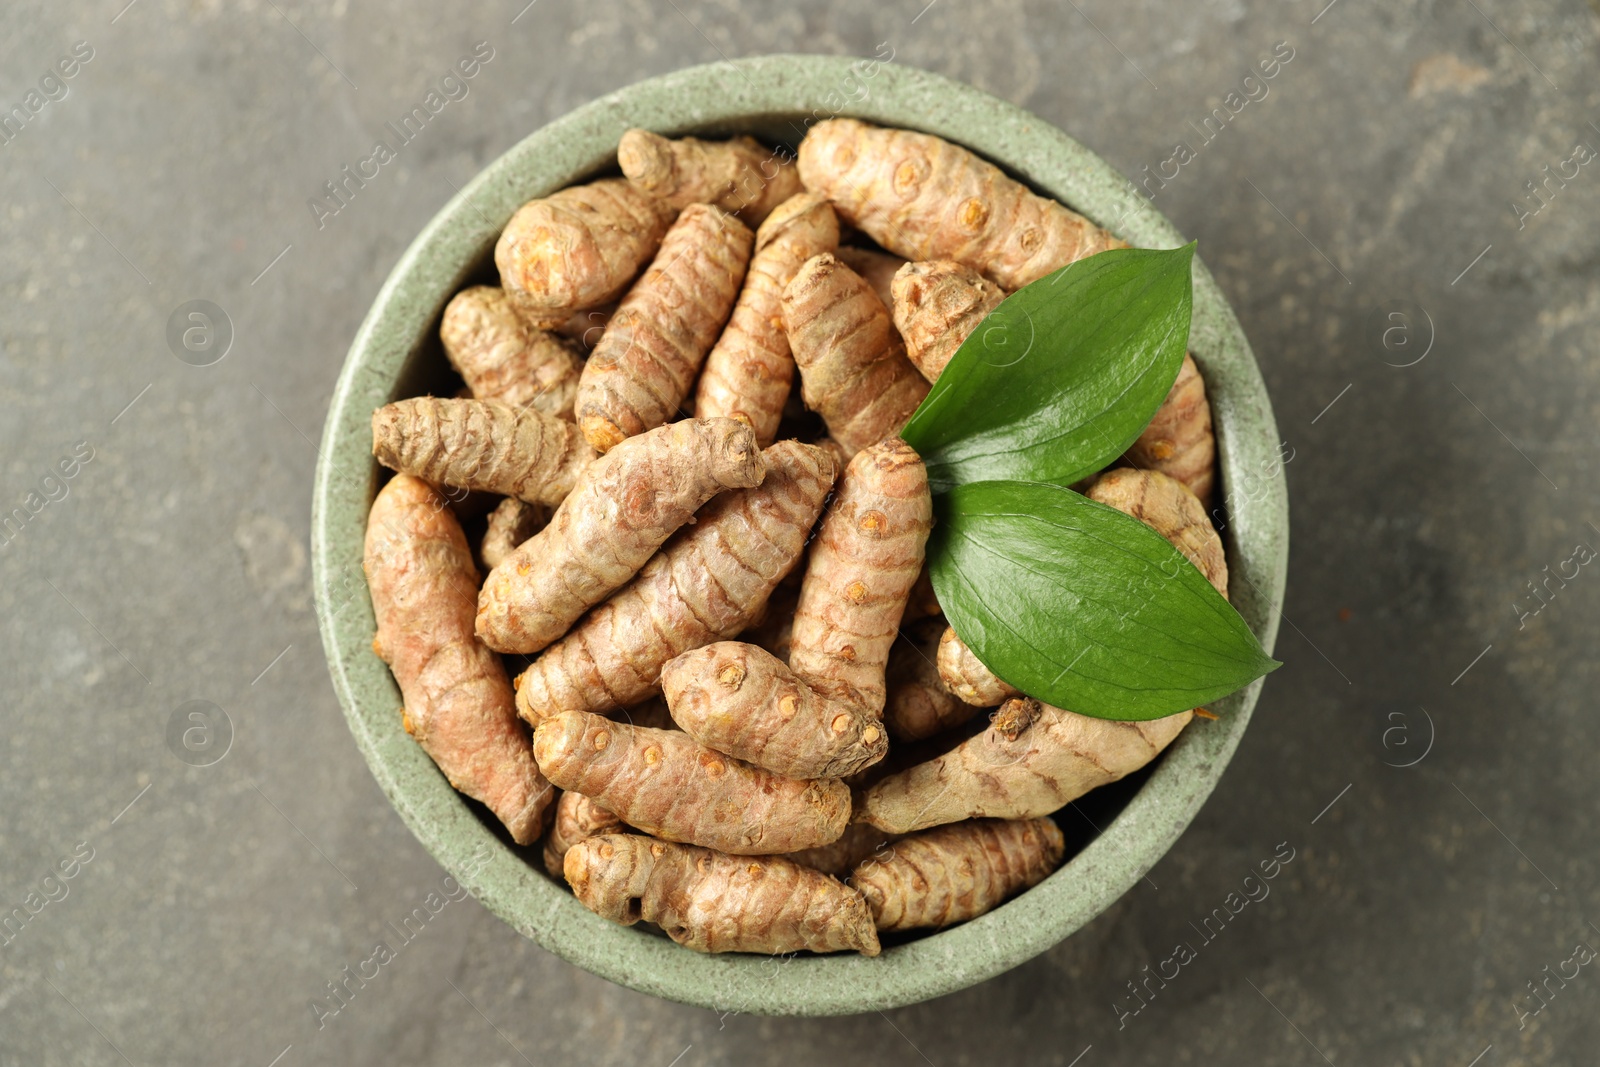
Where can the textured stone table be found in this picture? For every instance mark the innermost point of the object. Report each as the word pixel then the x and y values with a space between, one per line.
pixel 1426 324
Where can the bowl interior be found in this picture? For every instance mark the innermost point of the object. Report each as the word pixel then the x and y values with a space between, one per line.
pixel 1122 830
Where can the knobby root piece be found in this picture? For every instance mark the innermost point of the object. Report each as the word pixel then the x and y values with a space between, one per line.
pixel 920 704
pixel 578 818
pixel 1168 507
pixel 820 719
pixel 740 699
pixel 706 584
pixel 625 505
pixel 924 198
pixel 876 268
pixel 458 703
pixel 645 361
pixel 853 367
pixel 713 902
pixel 936 306
pixel 956 873
pixel 858 843
pixel 1179 441
pixel 481 444
pixel 579 248
pixel 1032 760
pixel 501 356
pixel 740 175
pixel 863 564
pixel 666 783
pixel 749 371
pixel 511 523
pixel 966 676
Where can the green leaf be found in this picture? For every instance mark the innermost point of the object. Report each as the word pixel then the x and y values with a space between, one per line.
pixel 1084 607
pixel 1061 378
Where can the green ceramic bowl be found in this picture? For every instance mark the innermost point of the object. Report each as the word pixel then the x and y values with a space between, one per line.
pixel 396 354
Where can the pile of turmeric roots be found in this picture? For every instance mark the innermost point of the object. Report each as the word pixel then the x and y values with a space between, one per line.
pixel 725 600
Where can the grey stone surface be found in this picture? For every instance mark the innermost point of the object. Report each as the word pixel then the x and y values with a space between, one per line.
pixel 1385 158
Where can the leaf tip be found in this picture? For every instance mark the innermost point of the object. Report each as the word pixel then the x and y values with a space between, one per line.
pixel 1263 666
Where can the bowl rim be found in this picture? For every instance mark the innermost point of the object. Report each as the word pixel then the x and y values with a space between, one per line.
pixel 721 96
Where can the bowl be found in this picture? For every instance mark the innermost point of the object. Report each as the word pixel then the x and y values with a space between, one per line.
pixel 397 354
